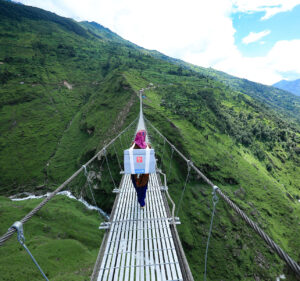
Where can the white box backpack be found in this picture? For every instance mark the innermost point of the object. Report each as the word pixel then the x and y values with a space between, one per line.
pixel 139 161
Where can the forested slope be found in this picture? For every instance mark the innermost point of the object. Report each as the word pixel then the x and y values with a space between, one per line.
pixel 67 88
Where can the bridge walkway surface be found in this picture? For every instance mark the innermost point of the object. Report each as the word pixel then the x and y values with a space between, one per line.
pixel 139 244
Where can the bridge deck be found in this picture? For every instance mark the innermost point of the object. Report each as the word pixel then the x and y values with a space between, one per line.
pixel 139 244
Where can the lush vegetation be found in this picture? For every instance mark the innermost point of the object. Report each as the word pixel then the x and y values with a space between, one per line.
pixel 64 238
pixel 67 88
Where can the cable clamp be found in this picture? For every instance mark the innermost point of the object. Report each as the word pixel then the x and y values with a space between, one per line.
pixel 214 193
pixel 105 225
pixel 85 172
pixel 116 190
pixel 175 221
pixel 164 188
pixel 18 226
pixel 21 238
pixel 84 168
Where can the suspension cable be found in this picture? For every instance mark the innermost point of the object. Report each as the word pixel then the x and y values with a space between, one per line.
pixel 11 231
pixel 117 157
pixel 128 139
pixel 18 226
pixel 284 256
pixel 92 193
pixel 183 191
pixel 122 146
pixel 171 157
pixel 215 200
pixel 112 179
pixel 162 157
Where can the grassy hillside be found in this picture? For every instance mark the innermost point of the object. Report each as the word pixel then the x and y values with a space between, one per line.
pixel 68 88
pixel 63 238
pixel 285 104
pixel 260 173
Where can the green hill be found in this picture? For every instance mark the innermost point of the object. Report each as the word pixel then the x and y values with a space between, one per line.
pixel 66 88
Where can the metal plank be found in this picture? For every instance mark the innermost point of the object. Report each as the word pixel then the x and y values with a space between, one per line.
pixel 146 242
pixel 130 235
pixel 151 238
pixel 158 255
pixel 123 239
pixel 149 243
pixel 145 250
pixel 138 254
pixel 171 245
pixel 134 244
pixel 152 242
pixel 134 229
pixel 164 231
pixel 110 235
pixel 140 244
pixel 106 262
pixel 114 248
pixel 142 254
pixel 124 233
pixel 162 243
pixel 143 266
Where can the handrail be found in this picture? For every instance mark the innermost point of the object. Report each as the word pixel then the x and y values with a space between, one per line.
pixel 11 231
pixel 284 256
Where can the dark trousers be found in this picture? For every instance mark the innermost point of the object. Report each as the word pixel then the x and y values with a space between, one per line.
pixel 140 191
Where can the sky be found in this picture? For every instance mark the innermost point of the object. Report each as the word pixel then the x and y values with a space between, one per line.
pixel 254 39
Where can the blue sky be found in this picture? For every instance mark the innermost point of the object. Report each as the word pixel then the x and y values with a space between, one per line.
pixel 254 39
pixel 283 26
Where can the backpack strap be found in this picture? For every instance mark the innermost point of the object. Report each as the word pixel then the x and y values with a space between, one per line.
pixel 131 159
pixel 147 160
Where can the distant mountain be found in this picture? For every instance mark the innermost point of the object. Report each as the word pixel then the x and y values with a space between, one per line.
pixel 67 88
pixel 290 86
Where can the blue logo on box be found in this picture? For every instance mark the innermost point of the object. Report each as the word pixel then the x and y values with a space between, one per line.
pixel 139 171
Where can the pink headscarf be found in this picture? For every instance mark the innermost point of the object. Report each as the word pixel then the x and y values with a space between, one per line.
pixel 140 139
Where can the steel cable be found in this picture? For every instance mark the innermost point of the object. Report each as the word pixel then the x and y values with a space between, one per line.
pixel 117 157
pixel 112 179
pixel 171 157
pixel 18 226
pixel 183 190
pixel 284 256
pixel 11 231
pixel 293 265
pixel 122 146
pixel 215 200
pixel 162 157
pixel 92 193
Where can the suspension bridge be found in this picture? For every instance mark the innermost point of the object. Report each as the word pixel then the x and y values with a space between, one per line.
pixel 143 244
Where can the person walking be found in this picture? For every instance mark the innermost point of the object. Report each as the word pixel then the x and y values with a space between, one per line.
pixel 140 181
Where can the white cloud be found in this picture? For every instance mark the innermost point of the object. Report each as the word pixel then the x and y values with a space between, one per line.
pixel 200 32
pixel 282 58
pixel 255 36
pixel 270 7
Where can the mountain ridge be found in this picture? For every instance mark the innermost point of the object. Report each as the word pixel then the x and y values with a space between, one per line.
pixel 47 131
pixel 289 86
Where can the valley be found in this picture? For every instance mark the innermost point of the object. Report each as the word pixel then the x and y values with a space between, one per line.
pixel 67 88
